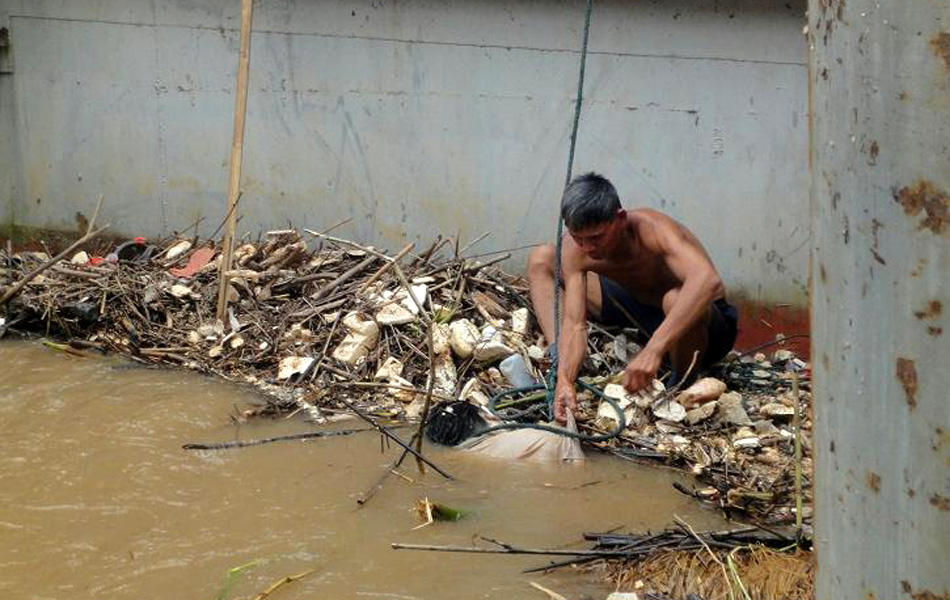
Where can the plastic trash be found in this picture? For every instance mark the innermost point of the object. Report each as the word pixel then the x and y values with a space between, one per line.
pixel 516 371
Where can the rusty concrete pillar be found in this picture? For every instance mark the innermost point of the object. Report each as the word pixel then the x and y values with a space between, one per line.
pixel 879 93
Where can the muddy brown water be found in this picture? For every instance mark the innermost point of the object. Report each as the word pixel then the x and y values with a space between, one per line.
pixel 98 500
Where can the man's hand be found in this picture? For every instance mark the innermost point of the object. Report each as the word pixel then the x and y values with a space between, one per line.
pixel 565 399
pixel 641 370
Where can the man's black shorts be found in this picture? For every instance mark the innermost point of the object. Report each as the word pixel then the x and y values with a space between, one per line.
pixel 723 325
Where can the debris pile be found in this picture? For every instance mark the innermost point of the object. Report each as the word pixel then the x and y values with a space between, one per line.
pixel 313 319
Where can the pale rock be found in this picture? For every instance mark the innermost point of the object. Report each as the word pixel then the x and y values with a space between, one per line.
pixel 607 415
pixel 535 353
pixel 218 327
pixel 701 413
pixel 519 326
pixel 704 390
pixel 770 456
pixel 633 414
pixel 403 395
pixel 446 377
pixel 178 249
pixel 299 334
pixel 759 357
pixel 291 365
pixel 441 339
pixel 463 337
pixel 394 313
pixel 765 428
pixel 761 374
pixel 668 427
pixel 743 433
pixel 766 364
pixel 678 441
pixel 263 346
pixel 730 409
pixel 745 443
pixel 777 410
pixel 391 367
pixel 425 279
pixel 180 291
pixel 236 342
pixel 491 347
pixel 782 356
pixel 669 410
pixel 329 318
pixel 194 337
pixel 472 391
pixel 215 352
pixel 648 395
pixel 80 258
pixel 245 275
pixel 414 410
pixel 419 292
pixel 207 331
pixel 244 253
pixel 496 377
pixel 362 336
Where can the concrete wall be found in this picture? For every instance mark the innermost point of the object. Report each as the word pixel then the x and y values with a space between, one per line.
pixel 417 117
pixel 881 218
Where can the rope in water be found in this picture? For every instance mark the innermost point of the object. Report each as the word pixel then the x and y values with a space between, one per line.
pixel 549 387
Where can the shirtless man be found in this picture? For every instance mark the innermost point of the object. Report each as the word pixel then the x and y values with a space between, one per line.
pixel 617 264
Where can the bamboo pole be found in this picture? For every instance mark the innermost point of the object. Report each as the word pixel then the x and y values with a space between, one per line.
pixel 237 152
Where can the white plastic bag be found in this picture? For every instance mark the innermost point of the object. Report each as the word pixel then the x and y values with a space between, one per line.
pixel 529 444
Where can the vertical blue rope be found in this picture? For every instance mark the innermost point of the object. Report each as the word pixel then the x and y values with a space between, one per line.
pixel 552 373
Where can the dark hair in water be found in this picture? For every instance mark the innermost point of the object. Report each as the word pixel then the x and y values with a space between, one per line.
pixel 589 199
pixel 451 423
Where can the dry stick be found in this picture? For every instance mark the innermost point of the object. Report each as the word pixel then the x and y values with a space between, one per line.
pixel 382 270
pixel 478 267
pixel 425 407
pixel 394 438
pixel 473 242
pixel 396 268
pixel 797 424
pixel 90 233
pixel 270 440
pixel 554 595
pixel 692 532
pixel 508 550
pixel 383 384
pixel 322 292
pixel 237 153
pixel 289 579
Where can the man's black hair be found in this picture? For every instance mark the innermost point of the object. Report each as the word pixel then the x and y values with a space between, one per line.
pixel 589 199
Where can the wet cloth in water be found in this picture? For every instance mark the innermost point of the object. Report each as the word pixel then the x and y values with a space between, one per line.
pixel 533 445
pixel 723 326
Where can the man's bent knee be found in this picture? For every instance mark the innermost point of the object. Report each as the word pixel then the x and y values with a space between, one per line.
pixel 541 260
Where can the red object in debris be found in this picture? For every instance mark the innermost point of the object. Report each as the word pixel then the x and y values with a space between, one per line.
pixel 139 240
pixel 96 260
pixel 199 258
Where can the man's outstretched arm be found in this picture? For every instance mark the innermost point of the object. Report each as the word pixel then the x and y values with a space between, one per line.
pixel 573 343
